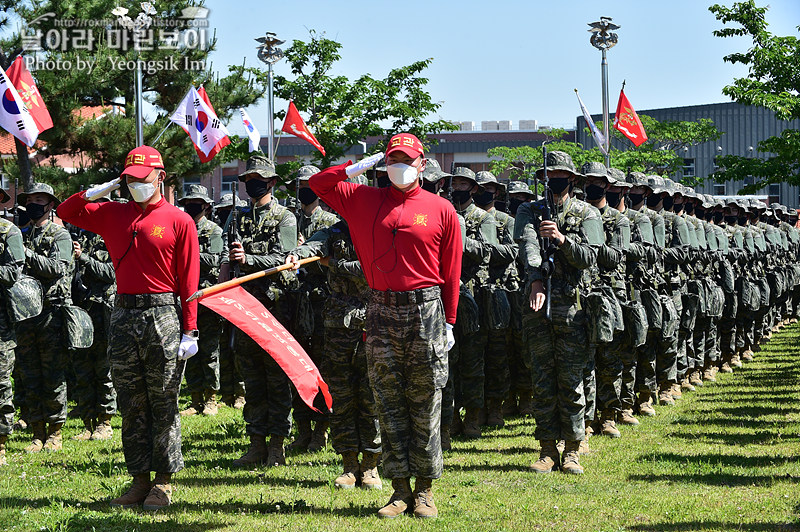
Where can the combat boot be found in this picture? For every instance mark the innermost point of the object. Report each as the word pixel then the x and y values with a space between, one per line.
pixel 608 427
pixel 584 447
pixel 472 423
pixel 401 500
pixel 548 457
pixel 256 454
pixel 39 430
pixel 238 402
pixel 53 442
pixel 510 407
pixel 20 425
pixel 136 493
pixel 424 506
pixel 457 427
pixel 645 404
pixel 210 407
pixel 494 413
pixel 736 362
pixel 709 373
pixel 103 430
pixel 195 407
pixel 696 378
pixel 675 390
pixel 726 368
pixel 626 417
pixel 570 462
pixel 347 480
pixel 665 395
pixel 686 385
pixel 526 403
pixel 369 471
pixel 303 437
pixel 160 495
pixel 276 455
pixel 747 355
pixel 3 439
pixel 89 425
pixel 444 435
pixel 319 438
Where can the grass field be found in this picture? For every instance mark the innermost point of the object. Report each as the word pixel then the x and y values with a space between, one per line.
pixel 726 457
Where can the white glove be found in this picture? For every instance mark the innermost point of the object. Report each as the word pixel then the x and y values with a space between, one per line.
pixel 188 347
pixel 98 191
pixel 451 340
pixel 363 165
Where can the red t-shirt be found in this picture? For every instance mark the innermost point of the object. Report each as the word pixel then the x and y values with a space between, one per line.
pixel 163 257
pixel 404 240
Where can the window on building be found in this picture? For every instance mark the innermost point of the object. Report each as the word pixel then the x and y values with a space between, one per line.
pixel 719 189
pixel 774 193
pixel 688 168
pixel 228 182
pixel 5 182
pixel 748 180
pixel 189 181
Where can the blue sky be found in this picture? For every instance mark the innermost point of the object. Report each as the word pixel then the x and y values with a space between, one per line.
pixel 509 60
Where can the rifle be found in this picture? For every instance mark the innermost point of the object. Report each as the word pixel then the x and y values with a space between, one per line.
pixel 233 236
pixel 450 181
pixel 547 248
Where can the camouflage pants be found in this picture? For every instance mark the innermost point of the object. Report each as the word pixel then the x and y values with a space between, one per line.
pixel 94 391
pixel 407 370
pixel 230 380
pixel 559 356
pixel 6 393
pixel 202 370
pixel 745 330
pixel 608 361
pixel 668 351
pixel 496 370
pixel 317 349
pixel 646 363
pixel 354 423
pixel 42 360
pixel 727 336
pixel 590 387
pixel 518 364
pixel 469 372
pixel 143 350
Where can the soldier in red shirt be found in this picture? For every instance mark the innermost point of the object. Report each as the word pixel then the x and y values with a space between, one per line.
pixel 154 248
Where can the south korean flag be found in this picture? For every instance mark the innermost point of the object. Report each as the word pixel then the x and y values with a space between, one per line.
pixel 14 116
pixel 199 122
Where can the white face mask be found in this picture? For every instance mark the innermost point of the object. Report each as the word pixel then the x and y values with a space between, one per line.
pixel 402 174
pixel 141 192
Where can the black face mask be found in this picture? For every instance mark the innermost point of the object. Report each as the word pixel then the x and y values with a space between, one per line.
pixel 222 214
pixel 484 198
pixel 430 187
pixel 636 199
pixel 193 209
pixel 653 201
pixel 383 181
pixel 35 211
pixel 307 196
pixel 614 199
pixel 24 218
pixel 558 184
pixel 460 197
pixel 256 188
pixel 500 205
pixel 742 221
pixel 513 205
pixel 594 192
pixel 688 207
pixel 717 217
pixel 668 202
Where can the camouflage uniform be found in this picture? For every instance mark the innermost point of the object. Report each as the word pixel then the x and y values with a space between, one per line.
pixel 12 257
pixel 94 393
pixel 354 421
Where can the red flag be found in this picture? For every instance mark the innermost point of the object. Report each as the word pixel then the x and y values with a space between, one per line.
pixel 221 144
pixel 22 80
pixel 249 315
pixel 294 125
pixel 627 121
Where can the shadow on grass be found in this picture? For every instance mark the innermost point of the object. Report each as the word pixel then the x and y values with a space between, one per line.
pixel 255 479
pixel 714 459
pixel 732 438
pixel 713 525
pixel 717 479
pixel 129 520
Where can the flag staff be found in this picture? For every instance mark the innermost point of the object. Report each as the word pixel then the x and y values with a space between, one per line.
pixel 602 38
pixel 269 53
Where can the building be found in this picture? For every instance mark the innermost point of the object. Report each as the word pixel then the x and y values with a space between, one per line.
pixel 742 127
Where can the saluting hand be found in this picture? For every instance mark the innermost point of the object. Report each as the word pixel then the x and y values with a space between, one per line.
pixel 549 229
pixel 538 296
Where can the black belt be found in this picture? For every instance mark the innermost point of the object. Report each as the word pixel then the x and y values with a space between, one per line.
pixel 412 297
pixel 145 300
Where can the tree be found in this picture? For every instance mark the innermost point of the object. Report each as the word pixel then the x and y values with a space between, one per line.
pixel 102 143
pixel 773 81
pixel 344 112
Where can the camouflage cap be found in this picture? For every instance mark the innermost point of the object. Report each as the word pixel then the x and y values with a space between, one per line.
pixel 305 172
pixel 258 164
pixel 743 204
pixel 706 201
pixel 359 179
pixel 433 171
pixel 778 207
pixel 637 179
pixel 227 201
pixel 670 186
pixel 519 187
pixel 196 192
pixel 794 213
pixel 466 173
pixel 618 176
pixel 758 204
pixel 485 178
pixel 594 169
pixel 38 188
pixel 558 160
pixel 657 184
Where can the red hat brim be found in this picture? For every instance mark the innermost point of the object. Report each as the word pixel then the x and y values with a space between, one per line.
pixel 408 150
pixel 138 171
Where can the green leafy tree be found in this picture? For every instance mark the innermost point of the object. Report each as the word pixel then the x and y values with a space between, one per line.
pixel 101 144
pixel 343 111
pixel 773 81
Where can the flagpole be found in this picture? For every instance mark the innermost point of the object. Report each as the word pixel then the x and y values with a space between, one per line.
pixel 604 76
pixel 169 118
pixel 269 53
pixel 270 119
pixel 602 38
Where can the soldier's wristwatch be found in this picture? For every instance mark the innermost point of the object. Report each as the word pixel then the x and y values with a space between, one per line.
pixel 194 333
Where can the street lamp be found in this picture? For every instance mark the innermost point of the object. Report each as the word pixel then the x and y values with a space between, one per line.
pixel 602 38
pixel 269 53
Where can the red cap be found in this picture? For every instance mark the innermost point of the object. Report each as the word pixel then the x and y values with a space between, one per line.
pixel 406 143
pixel 141 161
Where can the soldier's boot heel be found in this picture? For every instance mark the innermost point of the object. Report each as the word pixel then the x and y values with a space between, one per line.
pixel 424 507
pixel 89 425
pixel 570 460
pixel 53 442
pixel 401 500
pixel 103 431
pixel 160 495
pixel 136 494
pixel 549 460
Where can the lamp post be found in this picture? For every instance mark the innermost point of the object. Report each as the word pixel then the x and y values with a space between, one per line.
pixel 602 38
pixel 138 27
pixel 269 53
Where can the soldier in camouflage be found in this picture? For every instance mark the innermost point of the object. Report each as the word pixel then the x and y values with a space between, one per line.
pixel 202 370
pixel 40 344
pixel 12 258
pixel 558 346
pixel 265 234
pixel 309 302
